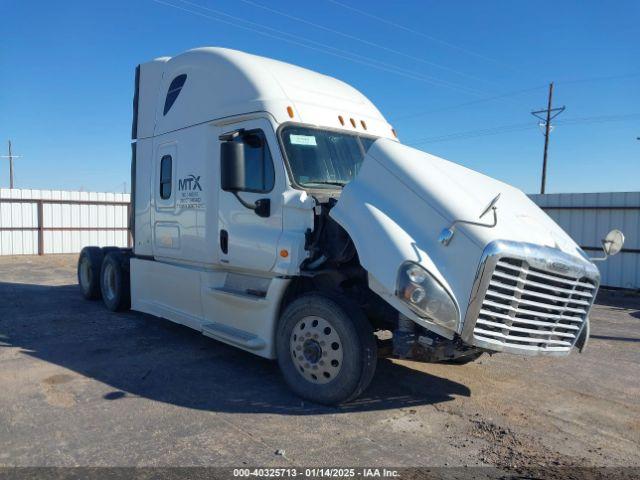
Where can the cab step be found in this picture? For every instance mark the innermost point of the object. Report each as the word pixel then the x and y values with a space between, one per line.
pixel 232 335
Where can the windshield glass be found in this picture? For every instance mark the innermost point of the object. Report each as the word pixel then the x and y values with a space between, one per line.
pixel 323 158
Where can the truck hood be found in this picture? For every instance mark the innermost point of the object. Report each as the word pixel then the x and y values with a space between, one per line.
pixel 401 200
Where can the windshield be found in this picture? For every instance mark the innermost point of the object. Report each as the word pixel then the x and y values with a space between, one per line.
pixel 323 158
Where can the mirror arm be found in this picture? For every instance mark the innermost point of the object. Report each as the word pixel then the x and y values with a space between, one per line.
pixel 479 224
pixel 231 136
pixel 599 259
pixel 261 207
pixel 447 234
pixel 250 206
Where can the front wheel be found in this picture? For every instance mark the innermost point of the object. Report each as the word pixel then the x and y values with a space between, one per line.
pixel 326 348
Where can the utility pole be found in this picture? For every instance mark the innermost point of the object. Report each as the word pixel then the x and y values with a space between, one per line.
pixel 10 167
pixel 10 157
pixel 550 114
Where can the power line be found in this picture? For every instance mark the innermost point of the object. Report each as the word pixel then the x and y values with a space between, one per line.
pixel 474 133
pixel 598 79
pixel 364 41
pixel 599 119
pixel 520 127
pixel 321 47
pixel 512 94
pixel 417 32
pixel 466 104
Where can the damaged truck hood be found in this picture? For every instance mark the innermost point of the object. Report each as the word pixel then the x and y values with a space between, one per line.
pixel 401 200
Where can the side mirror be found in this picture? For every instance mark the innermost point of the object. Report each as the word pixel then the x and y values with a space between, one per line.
pixel 232 166
pixel 232 175
pixel 613 242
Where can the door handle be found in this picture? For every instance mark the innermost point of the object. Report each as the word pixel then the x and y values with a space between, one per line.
pixel 224 241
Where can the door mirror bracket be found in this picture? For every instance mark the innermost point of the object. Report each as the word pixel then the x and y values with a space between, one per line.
pixel 261 207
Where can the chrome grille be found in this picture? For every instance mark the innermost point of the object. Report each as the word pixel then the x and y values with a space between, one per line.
pixel 525 309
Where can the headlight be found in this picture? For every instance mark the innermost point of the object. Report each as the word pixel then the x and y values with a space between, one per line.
pixel 425 296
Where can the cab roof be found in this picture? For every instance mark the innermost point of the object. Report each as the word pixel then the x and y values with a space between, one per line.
pixel 221 82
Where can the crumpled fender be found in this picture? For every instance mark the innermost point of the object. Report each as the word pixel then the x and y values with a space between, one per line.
pixel 382 244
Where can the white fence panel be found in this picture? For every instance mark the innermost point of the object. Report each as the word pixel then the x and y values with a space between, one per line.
pixel 68 224
pixel 18 223
pixel 55 221
pixel 587 217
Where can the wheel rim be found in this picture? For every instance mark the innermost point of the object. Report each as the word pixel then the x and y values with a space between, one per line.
pixel 109 280
pixel 85 273
pixel 316 349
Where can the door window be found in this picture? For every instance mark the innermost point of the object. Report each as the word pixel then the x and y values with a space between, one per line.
pixel 165 176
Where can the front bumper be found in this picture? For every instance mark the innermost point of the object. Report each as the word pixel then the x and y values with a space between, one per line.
pixel 529 299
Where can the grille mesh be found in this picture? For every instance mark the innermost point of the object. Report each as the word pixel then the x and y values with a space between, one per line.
pixel 532 309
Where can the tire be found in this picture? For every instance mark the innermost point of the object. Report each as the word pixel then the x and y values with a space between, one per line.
pixel 89 265
pixel 114 281
pixel 326 348
pixel 464 360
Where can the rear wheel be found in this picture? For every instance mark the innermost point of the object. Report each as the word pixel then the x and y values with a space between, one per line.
pixel 326 349
pixel 114 281
pixel 89 264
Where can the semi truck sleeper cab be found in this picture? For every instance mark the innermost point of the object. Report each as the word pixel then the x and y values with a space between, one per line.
pixel 274 209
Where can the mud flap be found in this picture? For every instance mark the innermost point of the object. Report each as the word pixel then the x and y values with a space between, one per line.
pixel 583 339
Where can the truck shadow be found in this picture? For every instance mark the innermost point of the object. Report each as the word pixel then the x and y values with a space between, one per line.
pixel 139 355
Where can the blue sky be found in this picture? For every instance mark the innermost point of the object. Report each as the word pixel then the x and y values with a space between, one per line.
pixel 67 68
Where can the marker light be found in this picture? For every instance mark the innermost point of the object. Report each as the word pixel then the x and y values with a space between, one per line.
pixel 290 111
pixel 364 125
pixel 341 120
pixel 353 122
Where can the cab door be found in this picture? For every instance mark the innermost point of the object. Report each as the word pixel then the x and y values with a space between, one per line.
pixel 248 241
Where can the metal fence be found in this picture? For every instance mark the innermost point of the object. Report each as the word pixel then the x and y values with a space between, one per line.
pixel 37 222
pixel 51 221
pixel 587 217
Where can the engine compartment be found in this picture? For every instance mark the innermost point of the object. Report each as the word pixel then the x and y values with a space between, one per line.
pixel 333 266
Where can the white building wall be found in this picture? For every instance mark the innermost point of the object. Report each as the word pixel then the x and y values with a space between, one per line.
pixel 67 227
pixel 587 217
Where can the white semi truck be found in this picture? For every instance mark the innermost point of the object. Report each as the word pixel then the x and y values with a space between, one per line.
pixel 274 209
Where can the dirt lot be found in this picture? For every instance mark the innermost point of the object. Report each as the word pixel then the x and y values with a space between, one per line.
pixel 82 386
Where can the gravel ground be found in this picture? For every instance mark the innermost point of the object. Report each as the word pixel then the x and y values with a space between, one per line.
pixel 82 386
